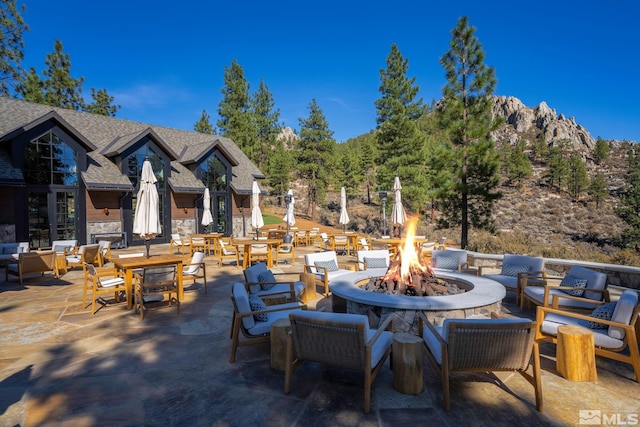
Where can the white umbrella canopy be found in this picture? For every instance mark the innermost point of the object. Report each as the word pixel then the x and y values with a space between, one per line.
pixel 398 215
pixel 146 221
pixel 344 216
pixel 207 218
pixel 256 214
pixel 289 218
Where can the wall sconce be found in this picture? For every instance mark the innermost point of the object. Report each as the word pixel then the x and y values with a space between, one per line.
pixel 105 211
pixel 185 210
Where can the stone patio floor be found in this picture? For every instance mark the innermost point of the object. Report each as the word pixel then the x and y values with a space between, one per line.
pixel 61 366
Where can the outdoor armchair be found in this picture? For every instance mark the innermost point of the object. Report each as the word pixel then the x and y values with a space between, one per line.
pixel 449 259
pixel 195 270
pixel 101 282
pixel 86 254
pixel 33 262
pixel 324 266
pixel 261 281
pixel 155 287
pixel 513 269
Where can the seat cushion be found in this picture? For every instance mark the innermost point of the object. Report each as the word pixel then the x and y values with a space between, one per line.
pixel 509 282
pixel 384 341
pixel 536 293
pixel 600 336
pixel 264 328
pixel 622 314
pixel 283 287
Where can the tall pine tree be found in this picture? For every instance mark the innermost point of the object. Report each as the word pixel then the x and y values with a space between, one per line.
pixel 204 124
pixel 59 87
pixel 315 156
pixel 12 26
pixel 469 165
pixel 265 117
pixel 400 142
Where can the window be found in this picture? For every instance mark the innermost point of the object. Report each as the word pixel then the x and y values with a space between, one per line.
pixel 49 161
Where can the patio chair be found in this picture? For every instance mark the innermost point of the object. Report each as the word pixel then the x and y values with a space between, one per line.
pixel 33 262
pixel 300 238
pixel 101 282
pixel 199 244
pixel 104 253
pixel 182 245
pixel 227 250
pixel 261 281
pixel 513 270
pixel 341 244
pixel 285 250
pixel 615 327
pixel 375 262
pixel 157 286
pixel 482 345
pixel 324 266
pixel 253 319
pixel 86 254
pixel 589 285
pixel 195 270
pixel 324 242
pixel 449 259
pixel 341 340
pixel 259 252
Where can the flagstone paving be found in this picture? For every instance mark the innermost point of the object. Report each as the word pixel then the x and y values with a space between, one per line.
pixel 60 366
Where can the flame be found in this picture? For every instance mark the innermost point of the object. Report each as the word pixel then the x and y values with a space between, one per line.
pixel 410 261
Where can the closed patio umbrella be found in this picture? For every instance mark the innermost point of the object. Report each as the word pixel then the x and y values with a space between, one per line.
pixel 289 218
pixel 206 215
pixel 398 215
pixel 146 221
pixel 256 214
pixel 344 216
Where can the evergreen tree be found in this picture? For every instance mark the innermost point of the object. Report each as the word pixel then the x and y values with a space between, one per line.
pixel 31 87
pixel 577 180
pixel 315 155
pixel 629 206
pixel 600 151
pixel 204 124
pixel 598 189
pixel 59 87
pixel 400 142
pixel 557 159
pixel 278 169
pixel 12 26
pixel 235 119
pixel 539 148
pixel 102 103
pixel 265 118
pixel 519 164
pixel 470 165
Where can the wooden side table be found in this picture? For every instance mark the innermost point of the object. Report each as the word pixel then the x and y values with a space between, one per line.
pixel 407 353
pixel 309 293
pixel 575 354
pixel 279 334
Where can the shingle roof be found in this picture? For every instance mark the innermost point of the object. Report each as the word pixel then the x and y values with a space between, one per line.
pixel 106 136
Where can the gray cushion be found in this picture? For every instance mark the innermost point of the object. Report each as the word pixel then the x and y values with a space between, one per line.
pixel 571 281
pixel 375 262
pixel 513 269
pixel 242 303
pixel 604 312
pixel 330 265
pixel 447 262
pixel 623 312
pixel 256 304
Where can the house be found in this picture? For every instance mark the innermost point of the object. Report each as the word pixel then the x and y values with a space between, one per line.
pixel 66 174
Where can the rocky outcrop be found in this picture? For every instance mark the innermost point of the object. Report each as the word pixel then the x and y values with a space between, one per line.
pixel 527 123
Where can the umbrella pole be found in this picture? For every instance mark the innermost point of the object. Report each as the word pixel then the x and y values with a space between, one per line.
pixel 147 243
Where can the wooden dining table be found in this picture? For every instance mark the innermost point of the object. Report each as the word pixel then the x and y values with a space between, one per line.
pixel 246 243
pixel 127 265
pixel 397 242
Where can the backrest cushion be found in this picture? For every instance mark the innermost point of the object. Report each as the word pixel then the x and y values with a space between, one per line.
pixel 266 279
pixel 330 265
pixel 373 253
pixel 623 312
pixel 242 303
pixel 252 275
pixel 446 262
pixel 256 304
pixel 518 264
pixel 577 283
pixel 595 280
pixel 604 312
pixel 512 270
pixel 376 262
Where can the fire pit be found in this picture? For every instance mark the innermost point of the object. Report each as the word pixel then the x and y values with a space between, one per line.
pixel 412 286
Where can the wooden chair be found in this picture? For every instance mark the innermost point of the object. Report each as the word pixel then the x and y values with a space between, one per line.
pixel 616 339
pixel 86 254
pixel 104 253
pixel 513 270
pixel 300 238
pixel 182 245
pixel 285 250
pixel 338 339
pixel 195 270
pixel 244 320
pixel 101 282
pixel 261 281
pixel 259 252
pixel 340 244
pixel 227 250
pixel 33 262
pixel 324 266
pixel 155 287
pixel 482 345
pixel 199 244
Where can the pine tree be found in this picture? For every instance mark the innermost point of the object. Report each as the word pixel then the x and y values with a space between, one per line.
pixel 102 103
pixel 315 155
pixel 600 151
pixel 400 142
pixel 470 165
pixel 12 26
pixel 577 179
pixel 235 119
pixel 59 87
pixel 598 189
pixel 265 118
pixel 204 124
pixel 519 165
pixel 278 169
pixel 629 206
pixel 31 87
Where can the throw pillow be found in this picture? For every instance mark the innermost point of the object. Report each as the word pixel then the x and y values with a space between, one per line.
pixel 514 269
pixel 574 282
pixel 447 263
pixel 604 312
pixel 330 265
pixel 266 279
pixel 375 262
pixel 256 304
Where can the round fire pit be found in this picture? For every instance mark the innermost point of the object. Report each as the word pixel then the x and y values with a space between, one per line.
pixel 482 297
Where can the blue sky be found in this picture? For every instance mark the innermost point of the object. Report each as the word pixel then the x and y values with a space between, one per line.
pixel 164 61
